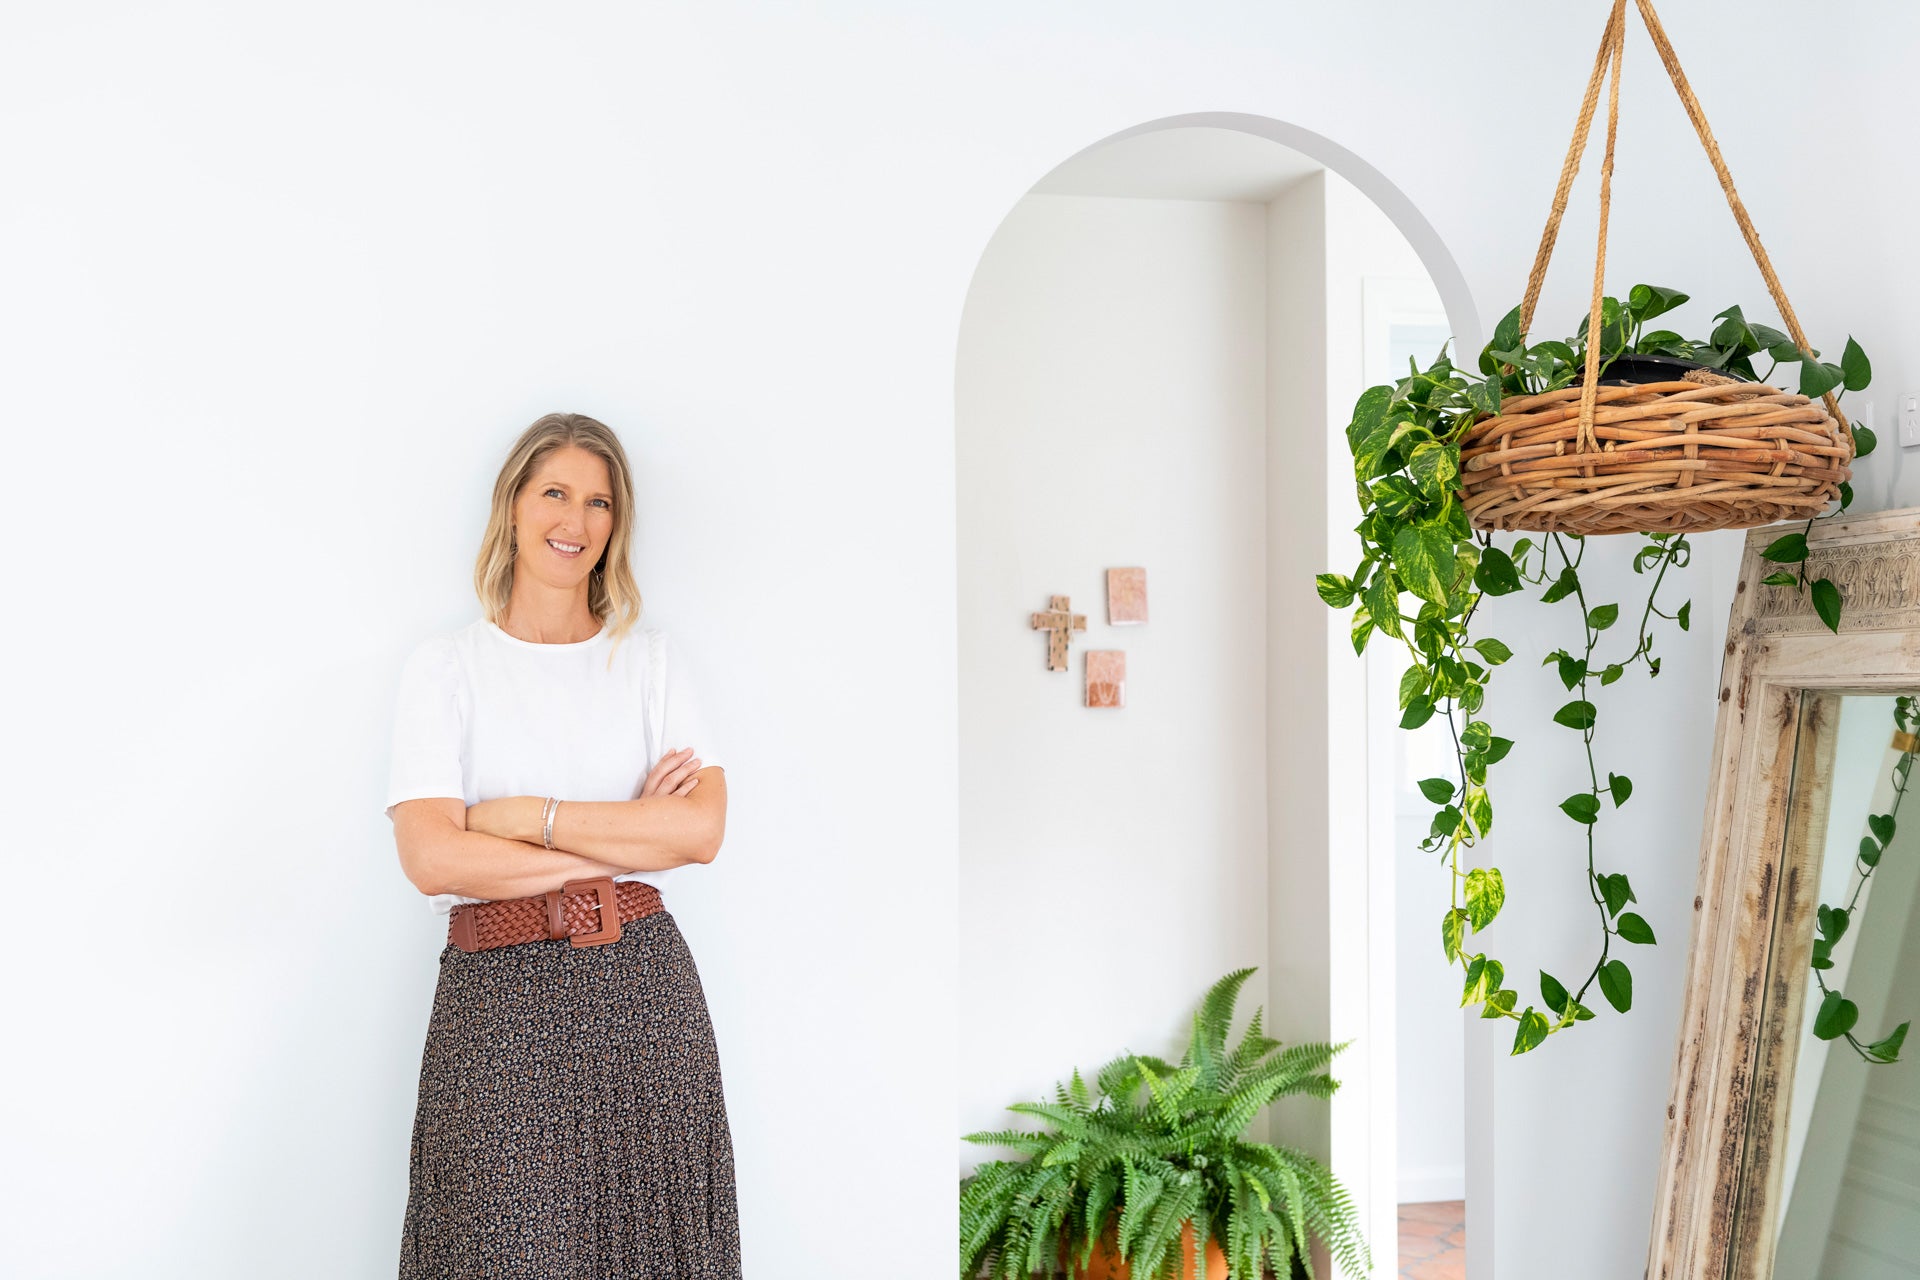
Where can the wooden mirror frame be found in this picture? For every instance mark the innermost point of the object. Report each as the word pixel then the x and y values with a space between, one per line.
pixel 1783 671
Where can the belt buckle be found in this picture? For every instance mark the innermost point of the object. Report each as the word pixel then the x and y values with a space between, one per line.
pixel 606 901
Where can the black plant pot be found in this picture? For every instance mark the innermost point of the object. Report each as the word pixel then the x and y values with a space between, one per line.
pixel 1637 370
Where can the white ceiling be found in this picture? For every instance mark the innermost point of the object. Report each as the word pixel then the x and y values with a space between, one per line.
pixel 1182 164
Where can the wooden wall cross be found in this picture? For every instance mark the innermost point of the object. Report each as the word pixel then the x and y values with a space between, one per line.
pixel 1059 622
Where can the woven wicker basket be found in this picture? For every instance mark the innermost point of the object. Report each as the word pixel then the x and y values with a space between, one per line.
pixel 1710 452
pixel 1707 453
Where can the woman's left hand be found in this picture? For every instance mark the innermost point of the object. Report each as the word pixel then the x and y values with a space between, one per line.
pixel 673 776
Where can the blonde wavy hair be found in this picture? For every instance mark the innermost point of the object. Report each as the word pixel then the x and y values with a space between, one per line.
pixel 612 593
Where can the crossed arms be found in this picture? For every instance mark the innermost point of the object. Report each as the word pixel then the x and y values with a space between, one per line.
pixel 493 849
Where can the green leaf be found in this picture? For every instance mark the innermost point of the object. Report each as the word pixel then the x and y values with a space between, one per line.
pixel 1418 712
pixel 1383 603
pixel 1882 826
pixel 1855 368
pixel 1818 377
pixel 1682 616
pixel 1336 589
pixel 1480 811
pixel 1732 331
pixel 1492 650
pixel 1438 790
pixel 1496 574
pixel 1613 672
pixel 1554 994
pixel 1433 467
pixel 1833 922
pixel 1888 1049
pixel 1474 988
pixel 1532 1030
pixel 1790 549
pixel 1413 682
pixel 1497 750
pixel 1836 1017
pixel 1577 714
pixel 1869 851
pixel 1486 894
pixel 1484 398
pixel 1369 412
pixel 1826 603
pixel 1500 1003
pixel 1362 629
pixel 1423 555
pixel 1616 892
pixel 1563 586
pixel 1645 301
pixel 1506 334
pixel 1863 444
pixel 1582 807
pixel 1600 617
pixel 1452 926
pixel 1621 786
pixel 1616 984
pixel 1572 671
pixel 1780 579
pixel 1635 929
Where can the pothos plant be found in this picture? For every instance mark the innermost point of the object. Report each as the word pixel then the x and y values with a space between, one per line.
pixel 1416 542
pixel 1837 1014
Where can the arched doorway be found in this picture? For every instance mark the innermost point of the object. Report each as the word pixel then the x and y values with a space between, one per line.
pixel 1159 350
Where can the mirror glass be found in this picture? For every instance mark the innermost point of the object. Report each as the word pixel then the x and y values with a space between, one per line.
pixel 1832 1179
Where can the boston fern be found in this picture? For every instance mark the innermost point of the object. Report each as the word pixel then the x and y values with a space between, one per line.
pixel 1416 541
pixel 1153 1147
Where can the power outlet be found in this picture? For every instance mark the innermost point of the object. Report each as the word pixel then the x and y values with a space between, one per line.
pixel 1910 420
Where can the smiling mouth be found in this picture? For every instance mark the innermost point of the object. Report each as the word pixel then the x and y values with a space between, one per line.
pixel 566 550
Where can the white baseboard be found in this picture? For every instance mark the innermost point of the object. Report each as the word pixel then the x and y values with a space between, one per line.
pixel 1437 1182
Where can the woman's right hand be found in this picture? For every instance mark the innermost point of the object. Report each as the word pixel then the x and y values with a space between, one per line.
pixel 673 776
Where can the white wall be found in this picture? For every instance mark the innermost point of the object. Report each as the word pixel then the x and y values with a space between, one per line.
pixel 1109 411
pixel 291 281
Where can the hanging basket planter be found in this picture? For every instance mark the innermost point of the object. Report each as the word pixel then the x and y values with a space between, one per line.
pixel 1662 456
pixel 1695 451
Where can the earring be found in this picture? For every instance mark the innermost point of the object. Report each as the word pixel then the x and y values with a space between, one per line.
pixel 513 545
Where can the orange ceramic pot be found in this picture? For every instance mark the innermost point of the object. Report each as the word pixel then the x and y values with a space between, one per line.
pixel 1106 1263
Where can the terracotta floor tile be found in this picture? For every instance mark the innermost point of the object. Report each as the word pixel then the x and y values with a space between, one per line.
pixel 1414 1246
pixel 1451 1212
pixel 1433 1237
pixel 1421 1227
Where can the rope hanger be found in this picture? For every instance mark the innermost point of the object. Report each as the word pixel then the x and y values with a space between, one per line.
pixel 1607 64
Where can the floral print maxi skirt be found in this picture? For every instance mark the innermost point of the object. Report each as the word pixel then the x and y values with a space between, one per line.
pixel 570 1123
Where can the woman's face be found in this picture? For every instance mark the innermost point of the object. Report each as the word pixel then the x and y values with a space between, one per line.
pixel 563 517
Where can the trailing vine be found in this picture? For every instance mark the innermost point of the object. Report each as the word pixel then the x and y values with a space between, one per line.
pixel 1837 1014
pixel 1417 541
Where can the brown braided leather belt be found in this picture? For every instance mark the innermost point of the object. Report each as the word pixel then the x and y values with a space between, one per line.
pixel 589 912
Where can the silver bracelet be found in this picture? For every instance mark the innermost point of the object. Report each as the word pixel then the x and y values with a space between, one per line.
pixel 546 821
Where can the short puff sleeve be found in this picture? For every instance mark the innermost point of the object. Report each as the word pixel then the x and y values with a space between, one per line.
pixel 428 727
pixel 684 720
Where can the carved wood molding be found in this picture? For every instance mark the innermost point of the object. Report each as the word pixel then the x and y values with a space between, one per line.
pixel 1879 586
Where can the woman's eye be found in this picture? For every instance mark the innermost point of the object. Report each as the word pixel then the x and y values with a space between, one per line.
pixel 603 502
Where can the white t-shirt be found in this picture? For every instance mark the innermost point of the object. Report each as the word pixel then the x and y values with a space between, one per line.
pixel 482 714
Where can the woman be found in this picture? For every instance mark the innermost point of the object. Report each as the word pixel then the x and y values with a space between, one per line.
pixel 570 1121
